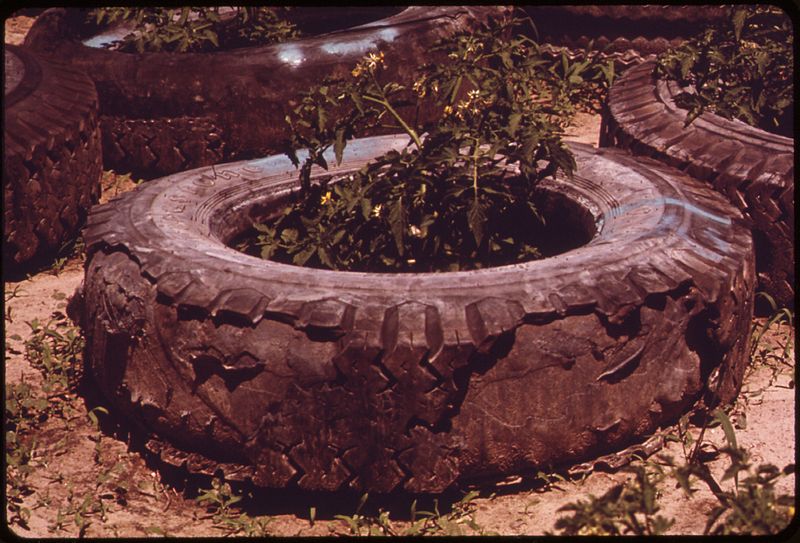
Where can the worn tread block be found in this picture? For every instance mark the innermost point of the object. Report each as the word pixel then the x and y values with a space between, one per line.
pixel 753 168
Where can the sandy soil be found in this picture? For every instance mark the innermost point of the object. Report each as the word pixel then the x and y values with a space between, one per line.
pixel 100 483
pixel 16 28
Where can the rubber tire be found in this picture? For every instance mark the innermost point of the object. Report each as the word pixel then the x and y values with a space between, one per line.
pixel 629 33
pixel 51 158
pixel 327 380
pixel 753 168
pixel 166 112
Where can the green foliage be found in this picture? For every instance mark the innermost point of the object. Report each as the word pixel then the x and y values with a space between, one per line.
pixel 742 68
pixel 751 506
pixel 754 508
pixel 71 249
pixel 779 319
pixel 84 507
pixel 459 521
pixel 454 523
pixel 55 349
pixel 550 481
pixel 113 183
pixel 460 195
pixel 23 412
pixel 79 510
pixel 197 29
pixel 220 500
pixel 627 508
pixel 8 295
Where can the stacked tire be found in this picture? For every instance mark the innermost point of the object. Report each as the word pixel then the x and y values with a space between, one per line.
pixel 627 33
pixel 166 112
pixel 52 159
pixel 753 168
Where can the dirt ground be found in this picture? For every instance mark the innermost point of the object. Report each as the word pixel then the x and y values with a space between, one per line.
pixel 16 28
pixel 97 481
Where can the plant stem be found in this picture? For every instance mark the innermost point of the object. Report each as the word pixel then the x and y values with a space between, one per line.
pixel 475 156
pixel 455 89
pixel 410 131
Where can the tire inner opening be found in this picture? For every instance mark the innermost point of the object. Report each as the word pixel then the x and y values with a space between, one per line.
pixel 568 223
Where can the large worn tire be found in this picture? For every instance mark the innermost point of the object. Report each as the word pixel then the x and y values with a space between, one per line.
pixel 288 375
pixel 629 33
pixel 51 157
pixel 166 112
pixel 753 168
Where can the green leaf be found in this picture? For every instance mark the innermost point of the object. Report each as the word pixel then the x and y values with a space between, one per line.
pixel 267 250
pixel 476 217
pixel 397 223
pixel 366 208
pixel 319 159
pixel 323 256
pixel 739 18
pixel 302 257
pixel 727 427
pixel 682 477
pixel 289 235
pixel 322 118
pixel 513 123
pixel 212 37
pixel 608 72
pixel 339 144
pixel 686 65
pixel 292 155
pixel 505 57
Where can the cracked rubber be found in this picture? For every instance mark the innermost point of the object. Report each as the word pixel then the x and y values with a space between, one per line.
pixel 167 112
pixel 753 168
pixel 327 380
pixel 51 157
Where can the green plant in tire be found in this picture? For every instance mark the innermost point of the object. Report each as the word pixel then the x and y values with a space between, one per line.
pixel 197 29
pixel 742 68
pixel 447 201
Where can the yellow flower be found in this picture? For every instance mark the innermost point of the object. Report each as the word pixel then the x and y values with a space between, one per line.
pixel 368 63
pixel 373 60
pixel 448 109
pixel 325 198
pixel 419 87
pixel 376 211
pixel 472 48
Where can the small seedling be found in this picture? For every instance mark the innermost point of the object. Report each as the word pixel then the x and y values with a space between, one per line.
pixel 9 295
pixel 625 509
pixel 219 501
